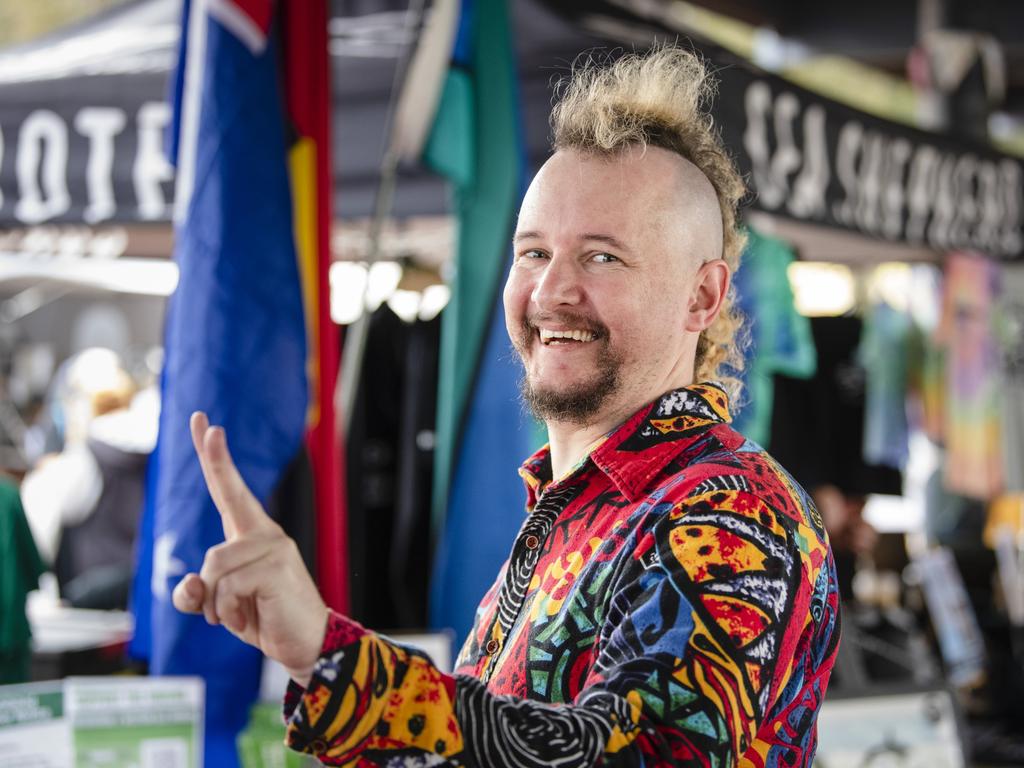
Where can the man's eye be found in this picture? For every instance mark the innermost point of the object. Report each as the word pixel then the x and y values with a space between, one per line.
pixel 604 258
pixel 534 254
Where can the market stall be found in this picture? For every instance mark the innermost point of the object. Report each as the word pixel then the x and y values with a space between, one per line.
pixel 83 115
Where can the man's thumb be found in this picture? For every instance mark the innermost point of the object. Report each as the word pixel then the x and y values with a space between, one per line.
pixel 188 595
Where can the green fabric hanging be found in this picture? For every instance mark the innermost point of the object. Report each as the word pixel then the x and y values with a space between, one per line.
pixel 781 337
pixel 20 569
pixel 474 143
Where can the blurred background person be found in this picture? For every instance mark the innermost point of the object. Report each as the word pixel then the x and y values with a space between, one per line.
pixel 83 503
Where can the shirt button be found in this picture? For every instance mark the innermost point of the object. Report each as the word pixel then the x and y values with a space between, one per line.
pixel 492 647
pixel 532 542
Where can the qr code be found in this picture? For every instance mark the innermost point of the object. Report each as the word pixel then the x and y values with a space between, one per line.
pixel 164 753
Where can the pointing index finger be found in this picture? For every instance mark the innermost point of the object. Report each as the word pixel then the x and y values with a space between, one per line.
pixel 239 509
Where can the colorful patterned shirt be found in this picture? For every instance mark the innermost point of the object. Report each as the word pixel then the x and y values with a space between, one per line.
pixel 670 601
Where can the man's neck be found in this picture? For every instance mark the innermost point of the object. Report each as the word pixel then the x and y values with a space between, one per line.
pixel 568 442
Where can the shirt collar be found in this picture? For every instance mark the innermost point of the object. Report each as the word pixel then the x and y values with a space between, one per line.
pixel 636 451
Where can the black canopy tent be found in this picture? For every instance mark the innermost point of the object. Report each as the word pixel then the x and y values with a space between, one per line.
pixel 82 111
pixel 82 114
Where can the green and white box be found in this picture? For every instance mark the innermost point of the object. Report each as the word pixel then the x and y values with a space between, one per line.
pixel 33 732
pixel 154 722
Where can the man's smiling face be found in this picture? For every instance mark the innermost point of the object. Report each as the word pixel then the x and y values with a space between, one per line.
pixel 608 255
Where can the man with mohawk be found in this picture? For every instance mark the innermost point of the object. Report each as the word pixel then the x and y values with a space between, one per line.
pixel 671 597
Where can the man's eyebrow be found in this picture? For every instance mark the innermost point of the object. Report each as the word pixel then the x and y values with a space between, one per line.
pixel 607 239
pixel 614 242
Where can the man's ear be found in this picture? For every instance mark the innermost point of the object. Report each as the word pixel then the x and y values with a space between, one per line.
pixel 710 285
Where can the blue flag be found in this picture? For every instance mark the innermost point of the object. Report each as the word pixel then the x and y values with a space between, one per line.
pixel 235 341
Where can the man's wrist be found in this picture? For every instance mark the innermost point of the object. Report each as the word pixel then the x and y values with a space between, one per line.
pixel 302 675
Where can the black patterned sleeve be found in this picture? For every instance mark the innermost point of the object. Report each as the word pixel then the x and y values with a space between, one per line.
pixel 372 701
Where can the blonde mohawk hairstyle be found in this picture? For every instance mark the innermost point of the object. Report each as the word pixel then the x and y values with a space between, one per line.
pixel 659 99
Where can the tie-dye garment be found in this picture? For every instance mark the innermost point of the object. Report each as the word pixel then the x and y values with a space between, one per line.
pixel 671 601
pixel 974 464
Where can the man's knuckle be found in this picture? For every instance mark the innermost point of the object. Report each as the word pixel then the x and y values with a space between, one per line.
pixel 214 562
pixel 227 586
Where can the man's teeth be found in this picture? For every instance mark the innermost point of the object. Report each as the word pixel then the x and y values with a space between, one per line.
pixel 548 336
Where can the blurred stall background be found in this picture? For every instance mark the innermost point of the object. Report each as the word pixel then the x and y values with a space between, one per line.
pixel 334 237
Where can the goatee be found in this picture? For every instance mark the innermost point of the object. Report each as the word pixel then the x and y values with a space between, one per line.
pixel 580 403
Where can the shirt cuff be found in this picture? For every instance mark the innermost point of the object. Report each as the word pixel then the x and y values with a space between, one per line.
pixel 341 631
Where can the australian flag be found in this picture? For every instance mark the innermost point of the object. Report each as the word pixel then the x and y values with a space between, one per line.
pixel 235 343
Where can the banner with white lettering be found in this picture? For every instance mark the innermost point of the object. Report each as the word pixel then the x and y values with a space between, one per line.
pixel 91 162
pixel 814 160
pixel 87 148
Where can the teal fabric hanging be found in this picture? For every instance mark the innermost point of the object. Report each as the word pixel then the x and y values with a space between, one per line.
pixel 780 339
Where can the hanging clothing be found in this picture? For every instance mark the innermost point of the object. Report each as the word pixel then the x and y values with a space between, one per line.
pixel 884 351
pixel 673 593
pixel 390 450
pixel 818 423
pixel 1010 338
pixel 926 383
pixel 926 360
pixel 20 569
pixel 974 464
pixel 780 339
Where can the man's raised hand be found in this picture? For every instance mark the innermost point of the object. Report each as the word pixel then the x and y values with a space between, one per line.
pixel 255 583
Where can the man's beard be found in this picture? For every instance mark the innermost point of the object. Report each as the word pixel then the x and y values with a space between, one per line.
pixel 579 403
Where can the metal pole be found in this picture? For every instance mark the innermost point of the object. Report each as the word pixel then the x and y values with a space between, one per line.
pixel 355 337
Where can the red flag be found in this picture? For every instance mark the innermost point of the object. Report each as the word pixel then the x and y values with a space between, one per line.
pixel 307 78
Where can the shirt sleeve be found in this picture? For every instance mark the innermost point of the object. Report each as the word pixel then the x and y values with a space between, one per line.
pixel 707 625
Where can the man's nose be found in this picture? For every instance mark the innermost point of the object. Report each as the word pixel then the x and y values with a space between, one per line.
pixel 559 285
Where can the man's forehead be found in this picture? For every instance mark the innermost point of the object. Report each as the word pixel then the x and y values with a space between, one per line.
pixel 590 189
pixel 623 195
